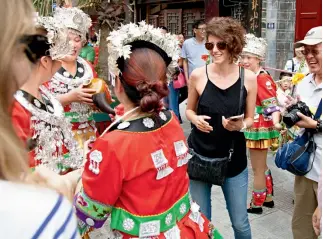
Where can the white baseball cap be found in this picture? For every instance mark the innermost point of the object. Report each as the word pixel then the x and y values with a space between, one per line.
pixel 313 37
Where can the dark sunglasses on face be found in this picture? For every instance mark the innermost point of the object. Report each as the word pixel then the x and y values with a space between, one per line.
pixel 37 46
pixel 221 45
pixel 314 52
pixel 203 29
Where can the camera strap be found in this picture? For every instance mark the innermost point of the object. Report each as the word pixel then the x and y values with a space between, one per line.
pixel 318 111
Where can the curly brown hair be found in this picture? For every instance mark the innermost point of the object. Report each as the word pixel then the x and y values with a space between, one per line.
pixel 229 30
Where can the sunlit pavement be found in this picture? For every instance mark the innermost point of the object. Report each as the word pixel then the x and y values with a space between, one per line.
pixel 273 223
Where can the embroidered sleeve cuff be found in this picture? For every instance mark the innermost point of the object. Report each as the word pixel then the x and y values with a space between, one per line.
pixel 270 110
pixel 92 213
pixel 270 105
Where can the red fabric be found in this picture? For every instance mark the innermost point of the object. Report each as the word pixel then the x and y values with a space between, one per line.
pixel 21 122
pixel 258 198
pixel 96 60
pixel 127 175
pixel 264 92
pixel 270 185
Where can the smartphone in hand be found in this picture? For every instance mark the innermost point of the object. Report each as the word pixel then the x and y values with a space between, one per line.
pixel 236 118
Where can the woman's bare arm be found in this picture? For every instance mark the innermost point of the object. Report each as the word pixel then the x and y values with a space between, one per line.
pixel 251 85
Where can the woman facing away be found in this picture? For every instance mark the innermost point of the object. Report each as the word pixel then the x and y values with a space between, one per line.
pixel 26 211
pixel 67 83
pixel 212 99
pixel 37 115
pixel 137 170
pixel 263 132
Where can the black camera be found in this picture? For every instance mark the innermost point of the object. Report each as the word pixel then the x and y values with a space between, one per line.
pixel 291 117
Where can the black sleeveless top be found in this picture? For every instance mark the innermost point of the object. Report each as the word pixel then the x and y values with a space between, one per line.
pixel 215 102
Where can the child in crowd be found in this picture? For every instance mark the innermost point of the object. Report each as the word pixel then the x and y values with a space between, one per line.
pixel 284 89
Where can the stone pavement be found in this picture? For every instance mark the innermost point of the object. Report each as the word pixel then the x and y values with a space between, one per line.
pixel 273 223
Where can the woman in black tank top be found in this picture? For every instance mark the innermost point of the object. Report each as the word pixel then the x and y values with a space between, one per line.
pixel 214 93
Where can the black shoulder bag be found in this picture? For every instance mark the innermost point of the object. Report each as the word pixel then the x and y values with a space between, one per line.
pixel 213 170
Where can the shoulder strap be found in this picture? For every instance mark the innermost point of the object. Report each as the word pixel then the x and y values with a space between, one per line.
pixel 318 111
pixel 207 75
pixel 241 70
pixel 293 65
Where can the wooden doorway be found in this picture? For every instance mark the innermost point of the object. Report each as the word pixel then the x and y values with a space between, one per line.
pixel 307 17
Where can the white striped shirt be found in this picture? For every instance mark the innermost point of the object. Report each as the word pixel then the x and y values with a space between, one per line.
pixel 31 212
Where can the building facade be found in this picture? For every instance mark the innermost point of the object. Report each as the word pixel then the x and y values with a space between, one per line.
pixel 280 22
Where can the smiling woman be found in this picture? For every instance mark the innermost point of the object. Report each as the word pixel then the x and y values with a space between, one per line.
pixel 214 96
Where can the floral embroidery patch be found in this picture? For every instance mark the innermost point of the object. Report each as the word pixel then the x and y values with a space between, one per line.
pixel 183 208
pixel 162 116
pixel 128 224
pixel 148 122
pixel 91 208
pixel 169 219
pixel 269 102
pixel 123 125
pixel 37 103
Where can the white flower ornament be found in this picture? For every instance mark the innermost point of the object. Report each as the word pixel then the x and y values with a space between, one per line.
pixel 118 41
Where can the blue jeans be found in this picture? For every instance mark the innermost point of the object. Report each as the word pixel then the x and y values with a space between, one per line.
pixel 173 98
pixel 235 192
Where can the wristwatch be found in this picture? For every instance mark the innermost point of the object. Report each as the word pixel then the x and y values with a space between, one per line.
pixel 244 127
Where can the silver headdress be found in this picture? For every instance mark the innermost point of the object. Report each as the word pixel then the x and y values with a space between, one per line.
pixel 119 40
pixel 57 37
pixel 74 19
pixel 255 45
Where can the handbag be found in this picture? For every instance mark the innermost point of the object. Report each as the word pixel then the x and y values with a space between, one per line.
pixel 213 170
pixel 295 156
pixel 180 81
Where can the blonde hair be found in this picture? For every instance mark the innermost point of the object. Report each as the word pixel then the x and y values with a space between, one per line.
pixel 16 20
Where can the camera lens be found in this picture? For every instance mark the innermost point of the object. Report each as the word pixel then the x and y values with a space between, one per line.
pixel 291 118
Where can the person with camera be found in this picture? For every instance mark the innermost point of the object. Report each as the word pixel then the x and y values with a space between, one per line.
pixel 309 98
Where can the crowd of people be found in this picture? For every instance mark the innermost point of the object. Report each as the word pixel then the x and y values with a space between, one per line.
pixel 141 177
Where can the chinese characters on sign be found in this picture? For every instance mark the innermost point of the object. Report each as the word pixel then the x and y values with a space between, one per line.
pixel 255 17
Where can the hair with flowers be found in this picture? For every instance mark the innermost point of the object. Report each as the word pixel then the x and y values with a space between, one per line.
pixel 119 44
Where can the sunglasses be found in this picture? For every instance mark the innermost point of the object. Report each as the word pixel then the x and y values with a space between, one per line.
pixel 37 46
pixel 221 45
pixel 308 51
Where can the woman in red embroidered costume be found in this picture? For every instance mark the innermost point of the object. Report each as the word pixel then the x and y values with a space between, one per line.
pixel 67 83
pixel 263 132
pixel 37 116
pixel 137 170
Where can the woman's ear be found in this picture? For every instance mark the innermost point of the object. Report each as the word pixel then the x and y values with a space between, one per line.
pixel 45 61
pixel 118 86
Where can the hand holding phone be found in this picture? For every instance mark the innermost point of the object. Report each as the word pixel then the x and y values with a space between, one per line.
pixel 236 118
pixel 234 123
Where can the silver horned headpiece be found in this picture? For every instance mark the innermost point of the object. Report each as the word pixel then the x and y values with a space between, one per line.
pixel 121 42
pixel 75 19
pixel 255 45
pixel 56 36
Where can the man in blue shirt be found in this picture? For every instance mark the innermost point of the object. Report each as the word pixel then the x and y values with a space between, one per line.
pixel 193 49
